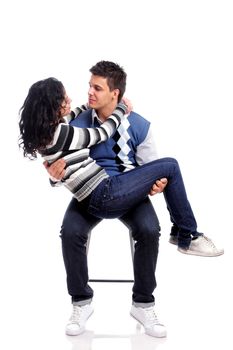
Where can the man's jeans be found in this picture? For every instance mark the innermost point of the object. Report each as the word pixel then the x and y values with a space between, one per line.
pixel 116 195
pixel 144 225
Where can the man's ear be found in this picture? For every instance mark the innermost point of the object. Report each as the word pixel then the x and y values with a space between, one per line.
pixel 116 93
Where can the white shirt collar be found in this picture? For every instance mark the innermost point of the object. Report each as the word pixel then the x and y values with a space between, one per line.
pixel 95 116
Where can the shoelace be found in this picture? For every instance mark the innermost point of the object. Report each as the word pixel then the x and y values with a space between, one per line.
pixel 151 316
pixel 76 315
pixel 209 242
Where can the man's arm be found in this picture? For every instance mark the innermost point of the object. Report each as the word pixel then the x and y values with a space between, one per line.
pixel 146 152
pixel 56 170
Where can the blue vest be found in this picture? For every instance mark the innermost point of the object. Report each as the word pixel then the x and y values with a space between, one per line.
pixel 105 153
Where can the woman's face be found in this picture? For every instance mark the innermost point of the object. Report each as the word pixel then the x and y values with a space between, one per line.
pixel 65 106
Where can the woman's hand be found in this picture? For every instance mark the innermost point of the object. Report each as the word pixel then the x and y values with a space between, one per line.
pixel 128 104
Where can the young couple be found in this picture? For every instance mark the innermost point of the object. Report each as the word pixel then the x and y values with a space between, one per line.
pixel 106 158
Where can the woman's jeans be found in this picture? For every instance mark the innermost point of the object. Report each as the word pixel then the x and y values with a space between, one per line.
pixel 116 195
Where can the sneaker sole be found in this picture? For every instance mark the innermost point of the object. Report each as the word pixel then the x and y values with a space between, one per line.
pixel 73 333
pixel 191 252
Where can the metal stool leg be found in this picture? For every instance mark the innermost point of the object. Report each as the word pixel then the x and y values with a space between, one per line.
pixel 112 280
pixel 88 242
pixel 131 240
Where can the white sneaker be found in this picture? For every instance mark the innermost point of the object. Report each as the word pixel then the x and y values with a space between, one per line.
pixel 78 319
pixel 147 317
pixel 202 246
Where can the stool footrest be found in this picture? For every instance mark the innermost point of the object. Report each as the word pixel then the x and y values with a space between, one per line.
pixel 110 280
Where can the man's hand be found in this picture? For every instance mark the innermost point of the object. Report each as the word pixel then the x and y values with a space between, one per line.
pixel 158 187
pixel 56 170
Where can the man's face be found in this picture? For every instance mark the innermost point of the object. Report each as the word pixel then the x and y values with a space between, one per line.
pixel 99 94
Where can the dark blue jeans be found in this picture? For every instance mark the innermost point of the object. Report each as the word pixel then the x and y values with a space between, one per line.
pixel 116 195
pixel 144 225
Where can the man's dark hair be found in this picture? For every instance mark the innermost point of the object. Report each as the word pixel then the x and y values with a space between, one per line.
pixel 115 75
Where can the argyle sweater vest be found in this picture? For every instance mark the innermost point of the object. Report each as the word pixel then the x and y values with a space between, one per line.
pixel 117 154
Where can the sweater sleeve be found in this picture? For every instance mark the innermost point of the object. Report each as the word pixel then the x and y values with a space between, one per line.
pixel 76 112
pixel 146 151
pixel 69 138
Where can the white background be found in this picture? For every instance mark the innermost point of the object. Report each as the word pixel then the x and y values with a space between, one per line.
pixel 178 56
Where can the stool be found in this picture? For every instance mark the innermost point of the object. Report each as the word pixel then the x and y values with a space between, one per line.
pixel 113 280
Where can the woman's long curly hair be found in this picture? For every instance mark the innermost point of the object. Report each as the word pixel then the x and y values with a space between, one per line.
pixel 40 115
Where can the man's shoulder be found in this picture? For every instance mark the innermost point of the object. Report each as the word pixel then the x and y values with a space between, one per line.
pixel 137 122
pixel 139 127
pixel 135 117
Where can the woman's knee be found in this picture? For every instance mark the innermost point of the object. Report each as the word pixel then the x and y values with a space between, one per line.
pixel 171 160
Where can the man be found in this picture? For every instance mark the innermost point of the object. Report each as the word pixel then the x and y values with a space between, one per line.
pixel 131 145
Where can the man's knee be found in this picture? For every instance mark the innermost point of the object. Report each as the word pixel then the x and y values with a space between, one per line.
pixel 72 232
pixel 146 232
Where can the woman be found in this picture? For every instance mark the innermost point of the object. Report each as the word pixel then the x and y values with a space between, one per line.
pixel 44 131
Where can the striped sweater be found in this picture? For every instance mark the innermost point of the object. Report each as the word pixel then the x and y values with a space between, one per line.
pixel 82 174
